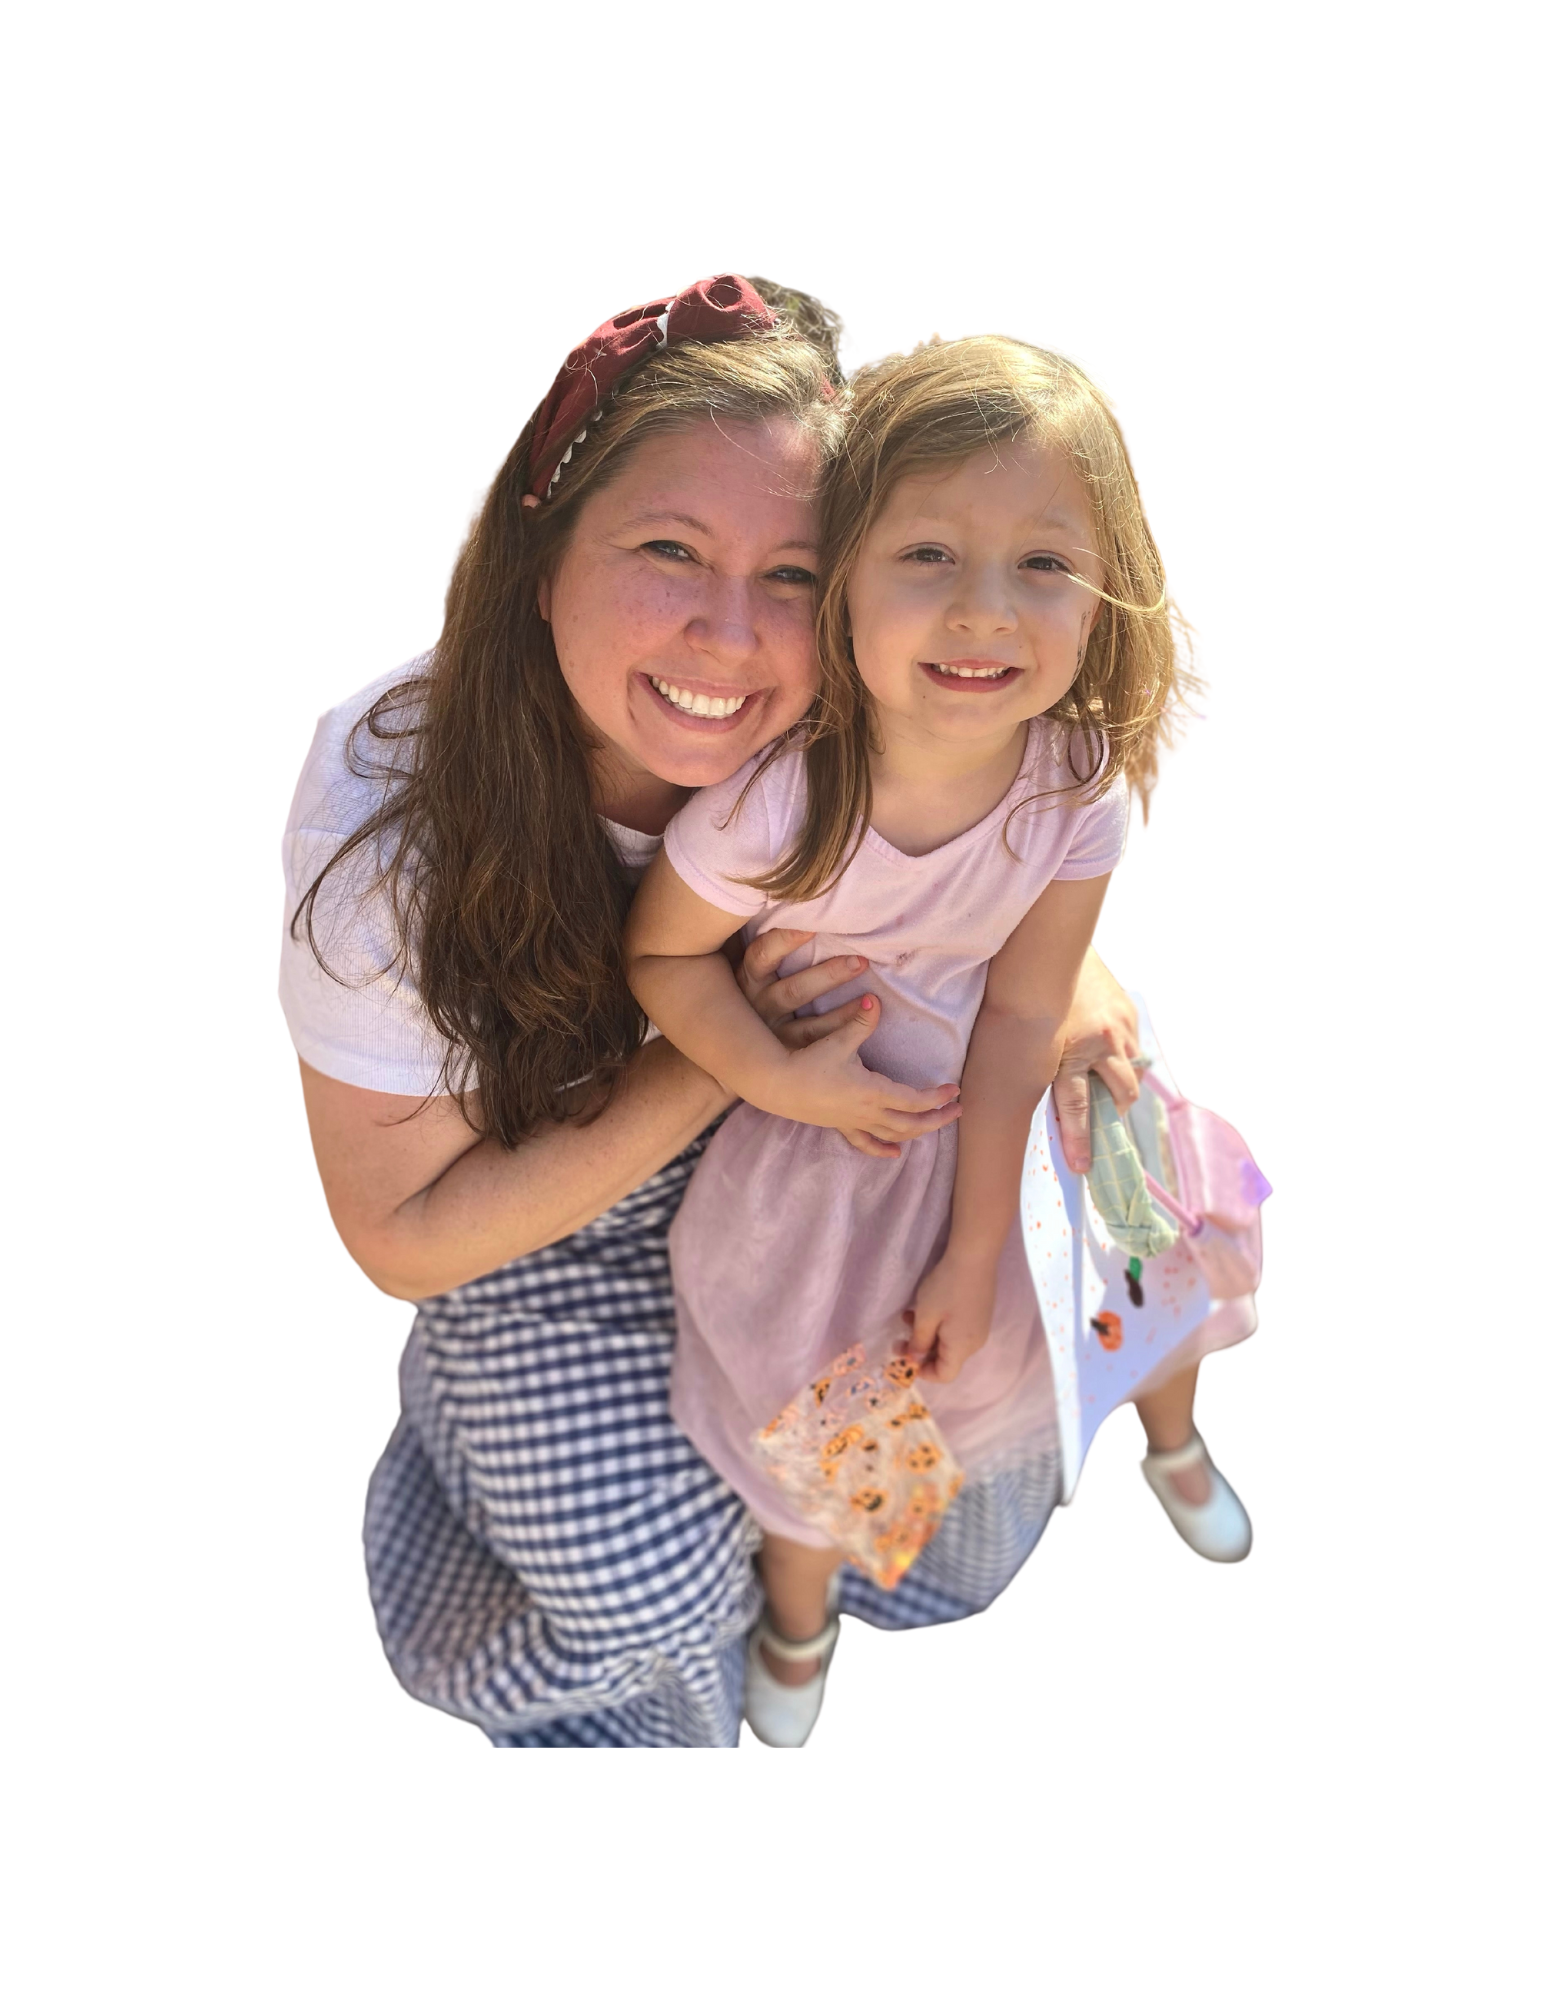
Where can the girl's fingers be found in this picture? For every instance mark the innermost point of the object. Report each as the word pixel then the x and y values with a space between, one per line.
pixel 877 1149
pixel 902 1125
pixel 816 1027
pixel 851 1036
pixel 900 1097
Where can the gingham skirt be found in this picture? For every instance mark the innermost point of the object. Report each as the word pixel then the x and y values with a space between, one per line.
pixel 550 1558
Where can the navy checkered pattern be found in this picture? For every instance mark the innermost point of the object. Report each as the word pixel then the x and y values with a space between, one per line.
pixel 548 1555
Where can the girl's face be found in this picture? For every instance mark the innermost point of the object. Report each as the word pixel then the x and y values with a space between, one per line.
pixel 965 617
pixel 682 607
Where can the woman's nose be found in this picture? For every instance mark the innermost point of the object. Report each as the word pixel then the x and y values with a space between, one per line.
pixel 724 626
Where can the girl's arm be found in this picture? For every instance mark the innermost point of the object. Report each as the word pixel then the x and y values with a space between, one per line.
pixel 423 1203
pixel 684 983
pixel 1016 1046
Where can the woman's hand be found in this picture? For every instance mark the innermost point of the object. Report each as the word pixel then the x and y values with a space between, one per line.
pixel 951 1316
pixel 1101 1035
pixel 777 1001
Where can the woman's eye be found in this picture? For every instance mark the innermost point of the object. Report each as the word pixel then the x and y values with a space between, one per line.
pixel 1051 564
pixel 672 551
pixel 791 573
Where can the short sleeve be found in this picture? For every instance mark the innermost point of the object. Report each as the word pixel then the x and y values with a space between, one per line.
pixel 1099 835
pixel 727 832
pixel 353 1013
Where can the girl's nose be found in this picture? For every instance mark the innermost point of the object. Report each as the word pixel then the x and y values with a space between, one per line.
pixel 724 626
pixel 982 603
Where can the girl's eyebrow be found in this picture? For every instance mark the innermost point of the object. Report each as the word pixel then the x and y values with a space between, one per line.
pixel 697 526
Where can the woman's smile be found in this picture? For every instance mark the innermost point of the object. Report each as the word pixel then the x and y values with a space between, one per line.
pixel 704 706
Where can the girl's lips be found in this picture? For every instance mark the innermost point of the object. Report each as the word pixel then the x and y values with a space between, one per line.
pixel 703 725
pixel 962 684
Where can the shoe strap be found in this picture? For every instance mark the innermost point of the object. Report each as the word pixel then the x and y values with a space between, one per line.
pixel 1182 1458
pixel 795 1650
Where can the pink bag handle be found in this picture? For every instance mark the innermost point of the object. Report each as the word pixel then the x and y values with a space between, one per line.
pixel 1193 1223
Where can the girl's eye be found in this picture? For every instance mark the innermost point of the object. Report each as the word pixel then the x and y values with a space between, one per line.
pixel 927 554
pixel 672 551
pixel 1052 564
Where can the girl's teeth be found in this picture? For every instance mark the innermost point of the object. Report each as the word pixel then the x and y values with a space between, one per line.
pixel 713 705
pixel 970 673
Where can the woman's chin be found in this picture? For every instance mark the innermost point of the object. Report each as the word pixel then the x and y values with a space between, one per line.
pixel 690 752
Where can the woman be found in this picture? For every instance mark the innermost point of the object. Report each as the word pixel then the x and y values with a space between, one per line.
pixel 629 619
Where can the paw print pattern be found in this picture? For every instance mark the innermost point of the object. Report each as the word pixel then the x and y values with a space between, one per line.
pixel 859 1455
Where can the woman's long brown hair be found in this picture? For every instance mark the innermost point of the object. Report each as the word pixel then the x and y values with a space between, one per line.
pixel 938 406
pixel 507 897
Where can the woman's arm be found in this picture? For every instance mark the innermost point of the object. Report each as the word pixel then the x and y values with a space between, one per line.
pixel 1015 1048
pixel 684 983
pixel 422 1203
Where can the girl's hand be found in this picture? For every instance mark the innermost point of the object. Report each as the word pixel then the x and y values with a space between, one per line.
pixel 951 1316
pixel 1101 1035
pixel 777 999
pixel 827 1084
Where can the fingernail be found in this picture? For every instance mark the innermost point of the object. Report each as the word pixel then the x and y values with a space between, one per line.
pixel 866 1003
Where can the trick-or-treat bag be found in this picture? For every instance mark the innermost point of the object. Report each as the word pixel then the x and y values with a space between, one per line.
pixel 1152 1259
pixel 859 1456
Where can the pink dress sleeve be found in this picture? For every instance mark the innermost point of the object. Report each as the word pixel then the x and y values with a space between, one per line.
pixel 1099 835
pixel 720 837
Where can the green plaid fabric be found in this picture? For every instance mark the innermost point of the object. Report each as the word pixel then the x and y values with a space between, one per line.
pixel 1116 1183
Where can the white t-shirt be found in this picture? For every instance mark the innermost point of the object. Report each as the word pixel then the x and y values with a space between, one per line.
pixel 359 1020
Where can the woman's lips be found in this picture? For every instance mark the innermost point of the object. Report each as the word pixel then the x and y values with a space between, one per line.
pixel 749 701
pixel 977 677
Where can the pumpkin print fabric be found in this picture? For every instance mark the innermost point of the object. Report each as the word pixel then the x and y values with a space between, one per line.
pixel 859 1456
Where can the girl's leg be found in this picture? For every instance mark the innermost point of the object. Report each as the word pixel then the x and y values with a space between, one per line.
pixel 795 1578
pixel 1167 1417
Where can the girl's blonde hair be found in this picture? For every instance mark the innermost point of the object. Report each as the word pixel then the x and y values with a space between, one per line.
pixel 937 406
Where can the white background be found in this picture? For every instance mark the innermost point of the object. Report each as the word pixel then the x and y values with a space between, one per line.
pixel 285 282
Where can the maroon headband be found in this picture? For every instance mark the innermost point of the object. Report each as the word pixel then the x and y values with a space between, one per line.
pixel 722 308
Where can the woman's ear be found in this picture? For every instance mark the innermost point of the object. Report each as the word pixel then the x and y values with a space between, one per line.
pixel 544 598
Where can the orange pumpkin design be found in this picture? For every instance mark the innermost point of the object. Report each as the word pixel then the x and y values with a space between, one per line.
pixel 900 1369
pixel 923 1458
pixel 869 1498
pixel 1107 1327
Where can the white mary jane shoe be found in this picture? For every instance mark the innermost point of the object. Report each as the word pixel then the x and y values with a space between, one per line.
pixel 783 1716
pixel 1219 1528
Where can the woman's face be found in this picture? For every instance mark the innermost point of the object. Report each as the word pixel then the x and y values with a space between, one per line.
pixel 682 607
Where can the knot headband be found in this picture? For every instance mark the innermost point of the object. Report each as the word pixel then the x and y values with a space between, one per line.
pixel 722 308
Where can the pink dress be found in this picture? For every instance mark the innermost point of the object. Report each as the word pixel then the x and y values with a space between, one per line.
pixel 790 1246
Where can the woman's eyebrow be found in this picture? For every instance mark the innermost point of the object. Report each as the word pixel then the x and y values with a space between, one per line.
pixel 691 521
pixel 681 520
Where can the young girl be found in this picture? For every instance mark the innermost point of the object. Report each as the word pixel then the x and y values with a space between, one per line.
pixel 997 663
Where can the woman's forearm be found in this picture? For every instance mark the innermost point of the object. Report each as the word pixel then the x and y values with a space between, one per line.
pixel 423 1204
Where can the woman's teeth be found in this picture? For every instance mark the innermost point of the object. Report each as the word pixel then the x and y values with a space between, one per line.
pixel 700 704
pixel 971 673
